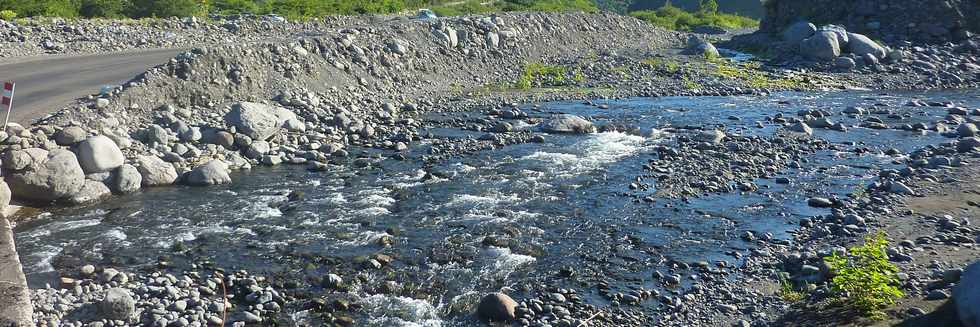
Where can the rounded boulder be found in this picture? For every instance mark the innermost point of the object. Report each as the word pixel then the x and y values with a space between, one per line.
pixel 99 154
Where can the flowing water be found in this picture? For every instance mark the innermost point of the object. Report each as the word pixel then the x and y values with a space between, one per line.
pixel 553 208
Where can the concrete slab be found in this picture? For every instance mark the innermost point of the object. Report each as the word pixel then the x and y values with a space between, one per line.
pixel 15 298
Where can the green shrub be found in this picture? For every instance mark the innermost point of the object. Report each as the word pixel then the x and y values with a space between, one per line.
pixel 865 278
pixel 8 15
pixel 105 8
pixel 542 75
pixel 674 18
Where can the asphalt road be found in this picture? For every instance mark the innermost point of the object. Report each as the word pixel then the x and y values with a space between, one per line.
pixel 46 83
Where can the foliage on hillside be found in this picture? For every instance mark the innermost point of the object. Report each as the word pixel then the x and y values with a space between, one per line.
pixel 289 8
pixel 674 18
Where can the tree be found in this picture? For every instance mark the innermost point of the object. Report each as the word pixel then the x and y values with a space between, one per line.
pixel 708 6
pixel 104 8
pixel 166 8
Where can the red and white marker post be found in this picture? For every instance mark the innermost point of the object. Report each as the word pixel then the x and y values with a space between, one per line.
pixel 7 100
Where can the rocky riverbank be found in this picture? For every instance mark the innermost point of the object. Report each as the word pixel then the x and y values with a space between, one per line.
pixel 321 100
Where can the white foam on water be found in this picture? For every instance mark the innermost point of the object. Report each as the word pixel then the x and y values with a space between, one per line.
pixel 505 262
pixel 375 200
pixel 61 226
pixel 169 241
pixel 336 198
pixel 587 155
pixel 371 212
pixel 470 201
pixel 115 234
pixel 364 238
pixel 43 258
pixel 399 311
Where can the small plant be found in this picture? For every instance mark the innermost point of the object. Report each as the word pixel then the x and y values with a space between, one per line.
pixel 537 74
pixel 8 15
pixel 788 293
pixel 865 278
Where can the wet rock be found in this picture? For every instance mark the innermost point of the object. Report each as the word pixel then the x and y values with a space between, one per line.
pixel 212 173
pixel 497 307
pixel 126 179
pixel 844 63
pixel 801 128
pixel 99 154
pixel 48 176
pixel 568 124
pixel 118 304
pixel 969 144
pixel 712 136
pixel 155 172
pixel 901 188
pixel 966 298
pixel 967 130
pixel 817 202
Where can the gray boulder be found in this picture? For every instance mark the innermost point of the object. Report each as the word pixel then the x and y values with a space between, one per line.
pixel 212 173
pixel 840 31
pixel 126 179
pixel 91 191
pixel 70 135
pixel 98 154
pixel 700 47
pixel 118 304
pixel 844 63
pixel 967 130
pixel 860 45
pixel 821 46
pixel 155 172
pixel 801 128
pixel 568 124
pixel 798 32
pixel 966 296
pixel 497 307
pixel 49 176
pixel 258 121
pixel 968 144
pixel 713 136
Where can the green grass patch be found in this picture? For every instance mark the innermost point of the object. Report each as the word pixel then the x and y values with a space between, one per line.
pixel 788 292
pixel 540 75
pixel 864 278
pixel 674 18
pixel 751 74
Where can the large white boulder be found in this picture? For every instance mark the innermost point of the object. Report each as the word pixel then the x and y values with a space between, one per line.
pixel 155 172
pixel 860 45
pixel 46 176
pixel 258 121
pixel 212 173
pixel 99 154
pixel 126 179
pixel 568 124
pixel 821 46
